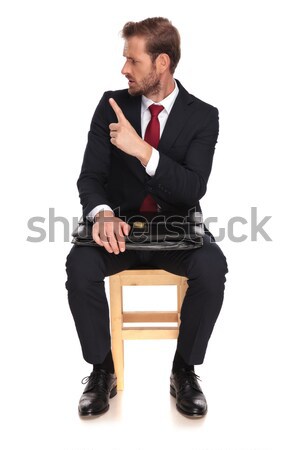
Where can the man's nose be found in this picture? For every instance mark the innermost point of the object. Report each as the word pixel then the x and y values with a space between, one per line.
pixel 124 70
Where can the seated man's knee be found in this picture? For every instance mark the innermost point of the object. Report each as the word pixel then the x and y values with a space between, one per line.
pixel 82 267
pixel 210 262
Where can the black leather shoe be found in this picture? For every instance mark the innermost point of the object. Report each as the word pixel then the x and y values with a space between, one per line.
pixel 185 388
pixel 101 386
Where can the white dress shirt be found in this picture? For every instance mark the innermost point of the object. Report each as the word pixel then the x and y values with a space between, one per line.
pixel 151 167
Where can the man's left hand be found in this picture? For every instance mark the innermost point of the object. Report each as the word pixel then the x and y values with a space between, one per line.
pixel 124 136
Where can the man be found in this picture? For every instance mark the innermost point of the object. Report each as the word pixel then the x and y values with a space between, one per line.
pixel 149 146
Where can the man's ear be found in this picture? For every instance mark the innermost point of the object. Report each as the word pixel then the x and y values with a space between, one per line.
pixel 162 62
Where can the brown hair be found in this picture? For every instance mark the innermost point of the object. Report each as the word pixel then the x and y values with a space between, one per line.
pixel 161 37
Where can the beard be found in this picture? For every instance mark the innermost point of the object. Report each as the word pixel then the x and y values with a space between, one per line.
pixel 150 85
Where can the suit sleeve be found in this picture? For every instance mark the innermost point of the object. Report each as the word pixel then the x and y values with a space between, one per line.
pixel 182 185
pixel 95 168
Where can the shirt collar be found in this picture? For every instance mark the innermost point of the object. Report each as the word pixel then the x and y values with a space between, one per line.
pixel 167 102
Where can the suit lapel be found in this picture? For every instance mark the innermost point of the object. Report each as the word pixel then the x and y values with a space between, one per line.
pixel 132 112
pixel 179 114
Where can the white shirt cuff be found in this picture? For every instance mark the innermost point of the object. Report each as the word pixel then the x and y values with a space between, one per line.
pixel 152 163
pixel 95 210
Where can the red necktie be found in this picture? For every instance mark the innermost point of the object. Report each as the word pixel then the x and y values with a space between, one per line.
pixel 152 136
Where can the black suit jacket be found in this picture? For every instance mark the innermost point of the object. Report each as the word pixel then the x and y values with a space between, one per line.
pixel 110 176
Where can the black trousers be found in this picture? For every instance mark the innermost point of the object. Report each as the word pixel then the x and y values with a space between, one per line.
pixel 205 269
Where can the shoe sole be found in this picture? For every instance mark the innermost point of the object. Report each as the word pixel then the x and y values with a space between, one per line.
pixel 113 393
pixel 182 411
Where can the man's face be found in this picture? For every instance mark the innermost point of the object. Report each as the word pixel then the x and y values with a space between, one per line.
pixel 139 68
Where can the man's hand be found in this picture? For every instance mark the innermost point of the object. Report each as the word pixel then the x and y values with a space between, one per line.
pixel 110 231
pixel 124 136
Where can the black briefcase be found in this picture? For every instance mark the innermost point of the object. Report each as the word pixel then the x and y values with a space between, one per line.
pixel 152 231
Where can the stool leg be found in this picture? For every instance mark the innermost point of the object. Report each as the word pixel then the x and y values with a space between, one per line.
pixel 116 311
pixel 181 291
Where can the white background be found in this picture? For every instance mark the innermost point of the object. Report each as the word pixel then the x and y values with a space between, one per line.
pixel 57 58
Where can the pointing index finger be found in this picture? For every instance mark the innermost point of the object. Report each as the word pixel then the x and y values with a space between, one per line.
pixel 117 109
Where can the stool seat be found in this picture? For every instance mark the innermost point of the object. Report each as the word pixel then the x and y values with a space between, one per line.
pixel 118 317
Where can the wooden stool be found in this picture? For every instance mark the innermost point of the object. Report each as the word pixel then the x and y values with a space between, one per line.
pixel 140 277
